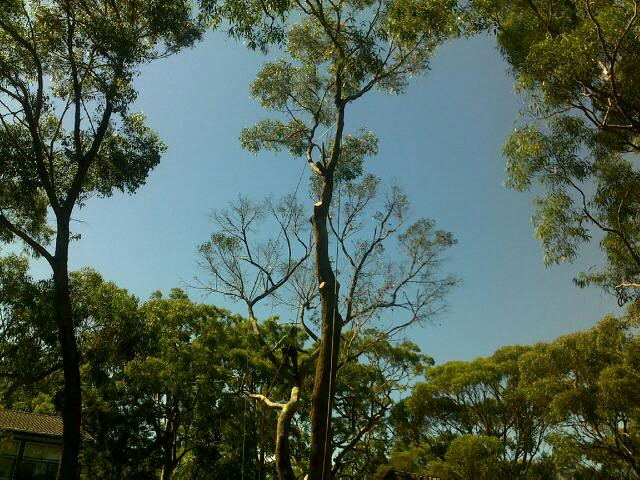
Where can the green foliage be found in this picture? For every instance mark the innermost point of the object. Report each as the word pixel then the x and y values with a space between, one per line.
pixel 260 23
pixel 159 377
pixel 470 457
pixel 577 62
pixel 126 157
pixel 590 382
pixel 566 409
pixel 28 340
pixel 166 377
pixel 365 394
pixel 368 44
pixel 66 85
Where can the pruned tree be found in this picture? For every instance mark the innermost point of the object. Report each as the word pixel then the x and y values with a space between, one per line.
pixel 338 52
pixel 67 132
pixel 388 292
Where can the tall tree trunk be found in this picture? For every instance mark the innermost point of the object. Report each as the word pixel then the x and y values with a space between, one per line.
pixel 324 383
pixel 283 453
pixel 72 403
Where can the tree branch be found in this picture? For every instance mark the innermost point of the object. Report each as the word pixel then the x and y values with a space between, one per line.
pixel 4 221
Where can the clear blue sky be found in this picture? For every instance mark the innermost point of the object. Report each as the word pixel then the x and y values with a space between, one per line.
pixel 441 141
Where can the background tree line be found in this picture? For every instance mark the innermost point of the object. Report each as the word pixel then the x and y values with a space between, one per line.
pixel 167 386
pixel 166 383
pixel 559 410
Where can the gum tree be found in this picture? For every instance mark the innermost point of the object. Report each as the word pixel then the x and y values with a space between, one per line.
pixel 484 405
pixel 67 133
pixel 337 52
pixel 589 383
pixel 577 61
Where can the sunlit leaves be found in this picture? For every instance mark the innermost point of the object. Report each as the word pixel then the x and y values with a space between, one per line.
pixel 260 23
pixel 308 43
pixel 473 419
pixel 275 135
pixel 471 456
pixel 408 20
pixel 354 150
pixel 127 156
pixel 349 44
pixel 577 63
pixel 564 408
pixel 560 226
pixel 589 381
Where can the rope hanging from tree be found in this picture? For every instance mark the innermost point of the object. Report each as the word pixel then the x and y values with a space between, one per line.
pixel 244 423
pixel 333 332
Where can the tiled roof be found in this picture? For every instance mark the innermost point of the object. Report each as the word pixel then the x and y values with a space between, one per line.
pixel 30 423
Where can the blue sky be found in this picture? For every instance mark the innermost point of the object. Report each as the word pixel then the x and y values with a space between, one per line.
pixel 441 141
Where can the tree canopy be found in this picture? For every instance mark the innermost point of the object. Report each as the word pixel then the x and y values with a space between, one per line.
pixel 576 63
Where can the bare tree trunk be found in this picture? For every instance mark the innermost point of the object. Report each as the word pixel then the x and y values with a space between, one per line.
pixel 283 453
pixel 72 403
pixel 324 382
pixel 322 402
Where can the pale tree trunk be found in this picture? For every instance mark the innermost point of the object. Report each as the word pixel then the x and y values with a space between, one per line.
pixel 287 412
pixel 283 452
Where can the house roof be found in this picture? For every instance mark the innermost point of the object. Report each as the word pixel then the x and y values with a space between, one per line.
pixel 30 423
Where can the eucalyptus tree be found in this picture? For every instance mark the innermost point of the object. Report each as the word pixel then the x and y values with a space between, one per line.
pixel 577 61
pixel 465 408
pixel 387 293
pixel 109 332
pixel 563 409
pixel 590 384
pixel 175 383
pixel 158 378
pixel 337 53
pixel 67 132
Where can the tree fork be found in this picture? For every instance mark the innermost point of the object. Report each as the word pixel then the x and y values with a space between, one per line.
pixel 287 412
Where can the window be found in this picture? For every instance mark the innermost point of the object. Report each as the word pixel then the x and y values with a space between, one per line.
pixel 42 451
pixel 39 462
pixel 8 453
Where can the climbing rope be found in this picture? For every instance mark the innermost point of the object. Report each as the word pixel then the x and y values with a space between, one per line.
pixel 244 422
pixel 333 333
